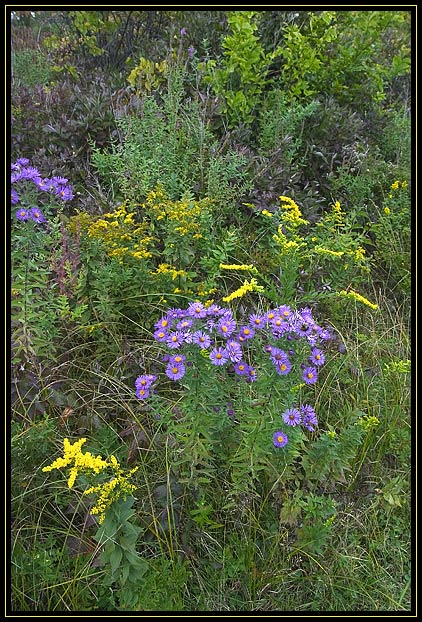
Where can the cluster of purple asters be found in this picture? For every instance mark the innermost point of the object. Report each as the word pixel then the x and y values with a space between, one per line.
pixel 214 330
pixel 144 386
pixel 21 171
pixel 304 415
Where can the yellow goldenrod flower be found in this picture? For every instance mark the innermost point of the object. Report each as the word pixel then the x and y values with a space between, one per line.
pixel 404 184
pixel 292 216
pixel 78 462
pixel 358 253
pixel 358 297
pixel 265 212
pixel 235 266
pixel 326 251
pixel 248 286
pixel 395 185
pixel 387 211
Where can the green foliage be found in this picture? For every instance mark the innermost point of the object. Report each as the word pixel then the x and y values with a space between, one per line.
pixel 35 330
pixel 31 68
pixel 170 144
pixel 239 78
pixel 393 238
pixel 125 567
pixel 282 124
pixel 319 57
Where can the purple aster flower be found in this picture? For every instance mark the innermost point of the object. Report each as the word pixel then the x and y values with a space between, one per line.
pixel 280 439
pixel 234 350
pixel 325 334
pixel 36 215
pixel 184 324
pixel 43 184
pixel 219 356
pixel 257 321
pixel 64 193
pixel 14 197
pixel 177 359
pixel 183 32
pixel 142 393
pixel 160 334
pixel 309 418
pixel 21 162
pixel 252 375
pixel 175 371
pixel 317 357
pixel 175 339
pixel 292 416
pixel 300 324
pixel 191 51
pixel 278 356
pixel 59 181
pixel 187 336
pixel 310 375
pixel 283 367
pixel 164 323
pixel 211 324
pixel 284 311
pixel 22 214
pixel 202 339
pixel 213 310
pixel 145 381
pixel 196 309
pixel 270 315
pixel 312 339
pixel 241 368
pixel 14 177
pixel 226 326
pixel 30 173
pixel 176 313
pixel 246 332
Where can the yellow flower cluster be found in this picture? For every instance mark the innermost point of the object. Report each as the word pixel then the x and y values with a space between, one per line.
pixel 248 286
pixel 185 216
pixel 110 491
pixel 165 268
pixel 202 292
pixel 358 297
pixel 320 250
pixel 397 184
pixel 72 455
pixel 334 219
pixel 120 234
pixel 82 463
pixel 292 216
pixel 287 245
pixel 235 266
pixel 265 212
